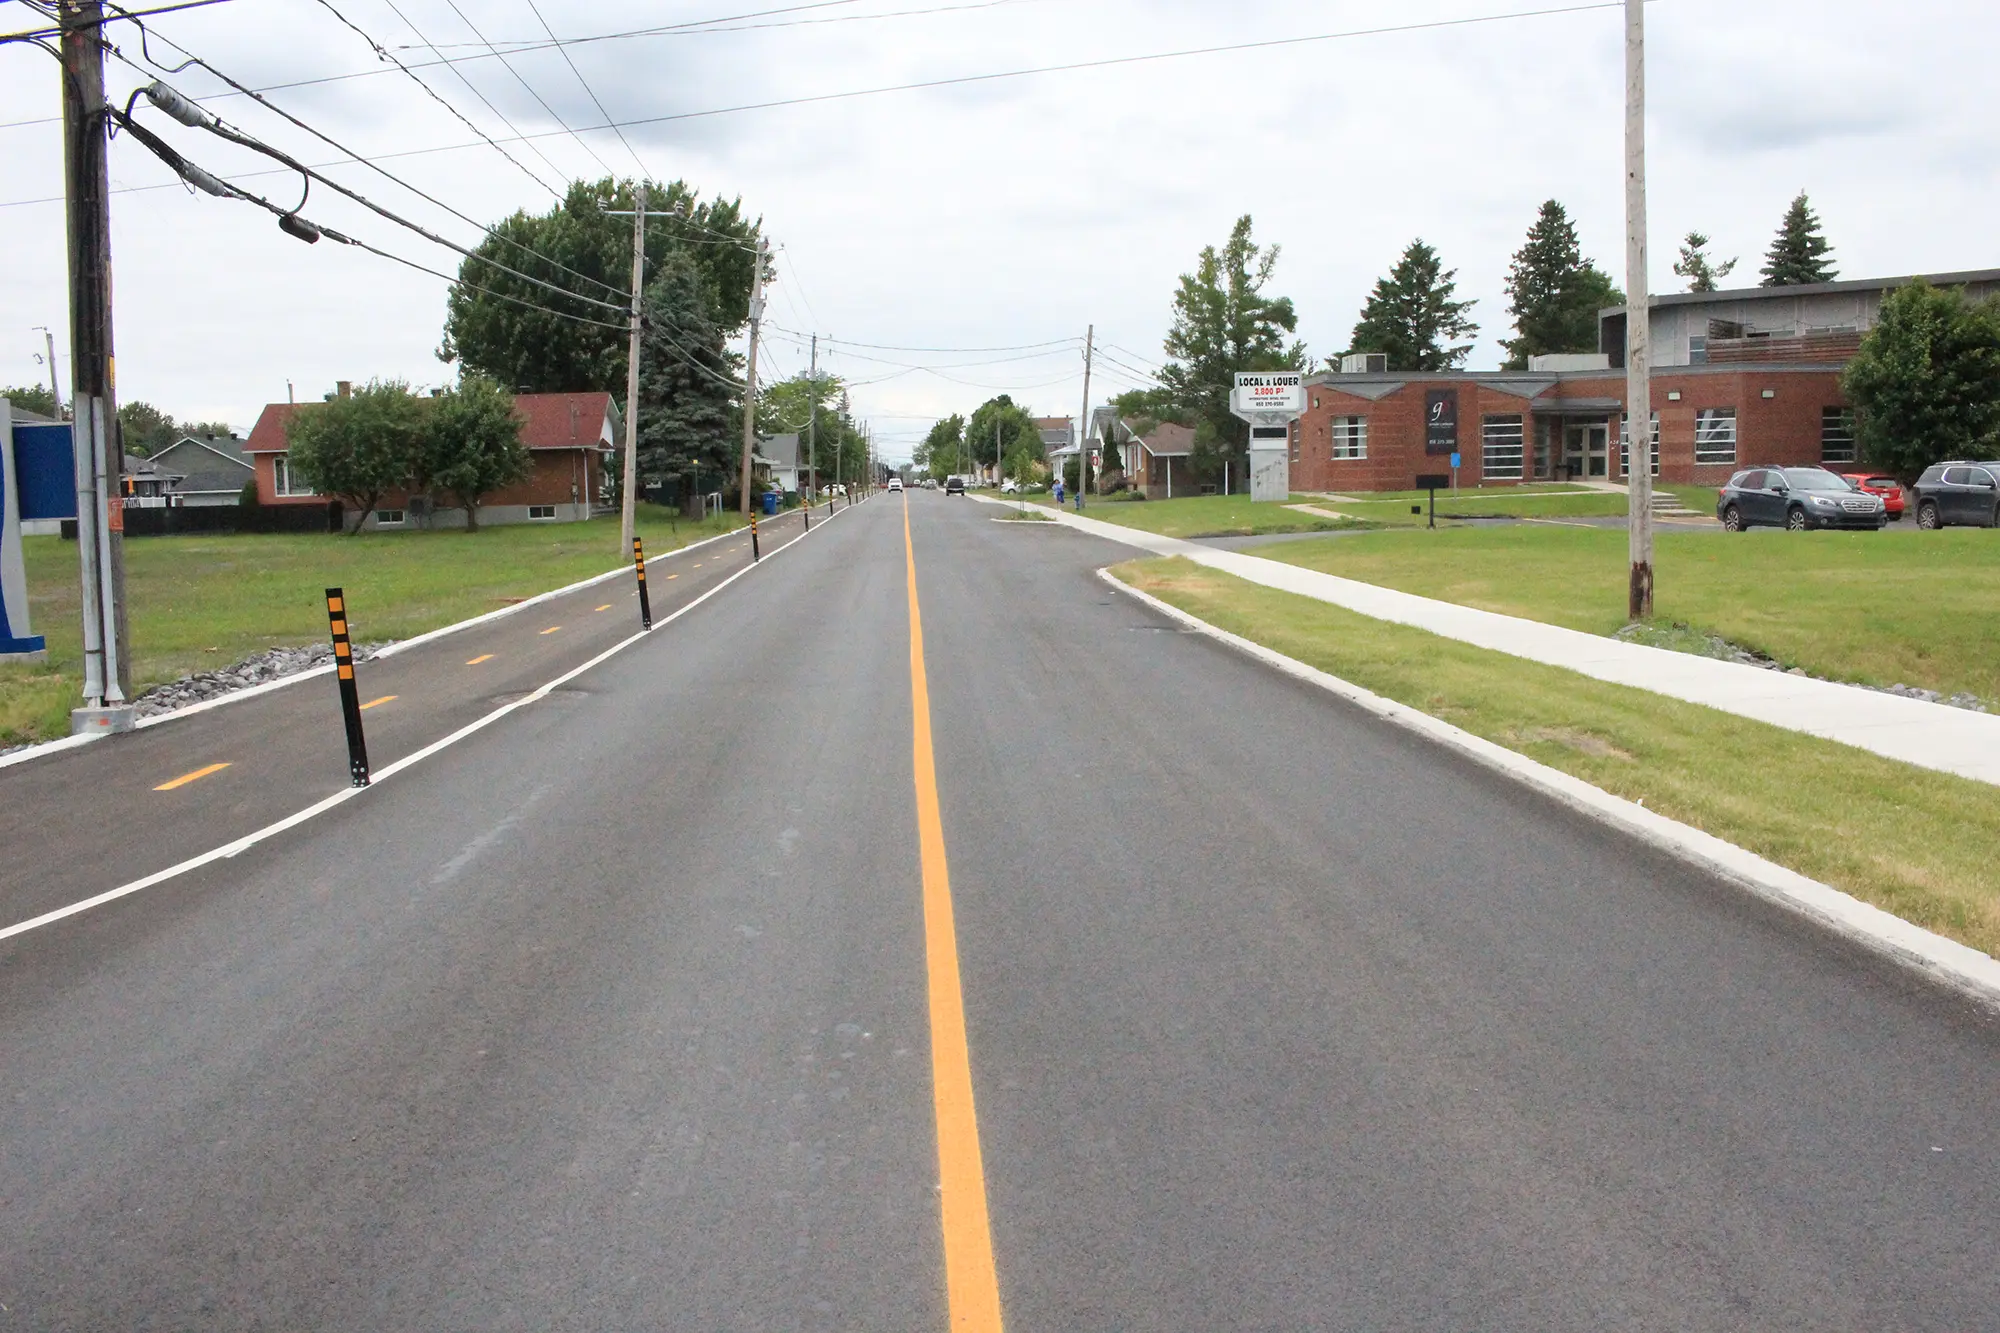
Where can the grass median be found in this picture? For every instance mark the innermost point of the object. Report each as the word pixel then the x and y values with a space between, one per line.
pixel 197 603
pixel 1912 842
pixel 1208 516
pixel 1874 608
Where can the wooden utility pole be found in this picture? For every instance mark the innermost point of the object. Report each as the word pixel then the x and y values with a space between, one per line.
pixel 629 496
pixel 750 372
pixel 1638 325
pixel 98 446
pixel 812 428
pixel 1083 422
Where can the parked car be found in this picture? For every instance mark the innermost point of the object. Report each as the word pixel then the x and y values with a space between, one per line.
pixel 1010 487
pixel 954 485
pixel 1958 494
pixel 895 483
pixel 1876 483
pixel 1797 499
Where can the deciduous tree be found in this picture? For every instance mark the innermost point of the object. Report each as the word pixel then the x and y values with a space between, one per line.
pixel 1926 383
pixel 577 246
pixel 1414 317
pixel 36 398
pixel 360 447
pixel 1799 253
pixel 1554 292
pixel 471 444
pixel 1225 322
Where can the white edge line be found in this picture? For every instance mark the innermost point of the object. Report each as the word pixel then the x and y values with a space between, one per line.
pixel 293 820
pixel 401 645
pixel 1958 966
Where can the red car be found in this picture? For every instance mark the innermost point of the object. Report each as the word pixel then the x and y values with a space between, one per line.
pixel 1888 488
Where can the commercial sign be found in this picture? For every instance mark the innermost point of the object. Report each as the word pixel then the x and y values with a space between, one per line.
pixel 1441 421
pixel 1279 391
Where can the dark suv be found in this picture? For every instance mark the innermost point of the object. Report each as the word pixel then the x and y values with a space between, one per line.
pixel 954 485
pixel 1965 494
pixel 1797 499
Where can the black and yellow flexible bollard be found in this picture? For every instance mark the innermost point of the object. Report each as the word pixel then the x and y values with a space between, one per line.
pixel 350 693
pixel 645 602
pixel 755 554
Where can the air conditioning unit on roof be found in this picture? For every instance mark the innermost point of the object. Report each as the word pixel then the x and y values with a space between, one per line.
pixel 1365 363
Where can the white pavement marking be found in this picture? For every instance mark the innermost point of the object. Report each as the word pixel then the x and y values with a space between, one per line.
pixel 404 645
pixel 1964 969
pixel 1933 736
pixel 249 840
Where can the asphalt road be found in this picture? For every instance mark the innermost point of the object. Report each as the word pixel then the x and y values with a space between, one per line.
pixel 621 1014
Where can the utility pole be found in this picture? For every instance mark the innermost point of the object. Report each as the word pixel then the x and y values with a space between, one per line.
pixel 812 427
pixel 750 371
pixel 1083 422
pixel 1638 324
pixel 628 492
pixel 99 450
pixel 55 385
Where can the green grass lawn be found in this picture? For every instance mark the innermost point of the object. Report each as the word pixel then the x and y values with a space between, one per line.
pixel 1526 488
pixel 1396 513
pixel 1877 608
pixel 1912 842
pixel 200 602
pixel 1205 516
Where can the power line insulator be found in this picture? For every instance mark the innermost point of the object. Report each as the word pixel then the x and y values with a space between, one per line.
pixel 293 225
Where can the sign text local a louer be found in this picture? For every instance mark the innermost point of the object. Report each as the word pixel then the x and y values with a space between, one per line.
pixel 1282 391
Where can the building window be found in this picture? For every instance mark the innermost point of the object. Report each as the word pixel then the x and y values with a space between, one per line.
pixel 1625 446
pixel 1715 435
pixel 1502 452
pixel 388 518
pixel 1698 349
pixel 283 483
pixel 1297 430
pixel 1350 437
pixel 541 511
pixel 1836 434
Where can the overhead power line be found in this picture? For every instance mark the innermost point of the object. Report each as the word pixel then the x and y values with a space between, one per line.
pixel 585 83
pixel 267 104
pixel 508 65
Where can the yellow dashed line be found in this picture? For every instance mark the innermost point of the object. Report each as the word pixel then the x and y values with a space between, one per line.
pixel 483 657
pixel 186 778
pixel 552 629
pixel 372 703
pixel 605 607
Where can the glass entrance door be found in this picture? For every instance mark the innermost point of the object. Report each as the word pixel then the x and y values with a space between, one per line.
pixel 1587 449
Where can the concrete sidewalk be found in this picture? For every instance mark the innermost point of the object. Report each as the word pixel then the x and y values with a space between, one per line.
pixel 1949 740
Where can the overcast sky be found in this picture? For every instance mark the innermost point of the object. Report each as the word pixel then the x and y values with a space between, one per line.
pixel 1007 212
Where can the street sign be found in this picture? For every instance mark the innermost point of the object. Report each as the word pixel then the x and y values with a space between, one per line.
pixel 1455 464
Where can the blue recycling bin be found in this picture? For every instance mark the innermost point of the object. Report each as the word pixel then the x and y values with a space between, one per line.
pixel 770 503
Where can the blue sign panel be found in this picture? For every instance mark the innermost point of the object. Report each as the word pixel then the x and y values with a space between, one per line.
pixel 1454 461
pixel 46 470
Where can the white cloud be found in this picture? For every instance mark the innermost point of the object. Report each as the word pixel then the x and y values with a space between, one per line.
pixel 1020 210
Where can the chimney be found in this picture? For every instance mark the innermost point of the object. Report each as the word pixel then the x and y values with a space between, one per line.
pixel 343 388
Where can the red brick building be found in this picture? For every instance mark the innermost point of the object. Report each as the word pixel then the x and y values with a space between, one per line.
pixel 1374 432
pixel 570 439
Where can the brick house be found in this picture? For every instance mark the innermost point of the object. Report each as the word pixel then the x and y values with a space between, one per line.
pixel 1740 377
pixel 570 437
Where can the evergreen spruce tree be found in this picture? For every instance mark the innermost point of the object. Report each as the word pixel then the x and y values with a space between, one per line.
pixel 1799 254
pixel 685 372
pixel 1694 264
pixel 1412 317
pixel 1554 293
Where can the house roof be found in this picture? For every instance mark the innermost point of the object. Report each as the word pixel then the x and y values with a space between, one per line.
pixel 1167 440
pixel 20 413
pixel 1981 275
pixel 191 451
pixel 548 421
pixel 779 450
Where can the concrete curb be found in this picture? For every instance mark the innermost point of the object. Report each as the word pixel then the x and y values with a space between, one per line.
pixel 401 645
pixel 1958 967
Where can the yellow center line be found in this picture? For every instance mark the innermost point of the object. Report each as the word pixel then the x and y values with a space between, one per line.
pixel 972 1288
pixel 605 607
pixel 552 629
pixel 671 576
pixel 383 700
pixel 186 778
pixel 483 657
